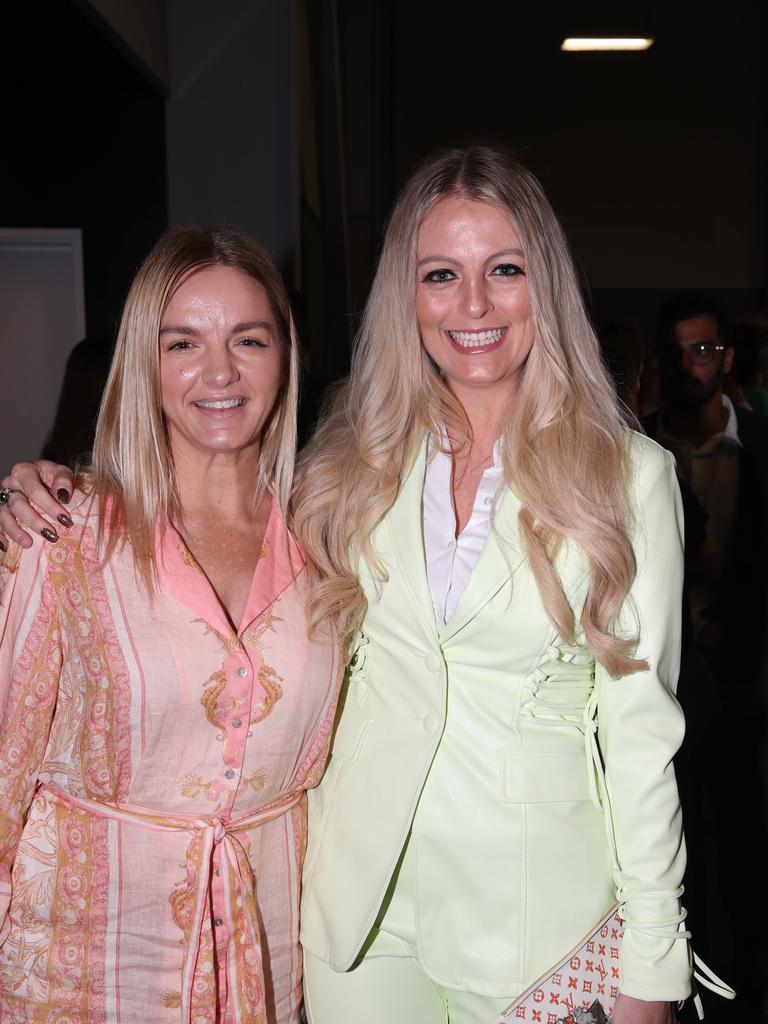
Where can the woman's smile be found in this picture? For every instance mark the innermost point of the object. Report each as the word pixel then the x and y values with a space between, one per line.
pixel 477 340
pixel 219 405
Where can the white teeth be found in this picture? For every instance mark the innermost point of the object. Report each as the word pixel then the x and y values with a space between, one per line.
pixel 474 339
pixel 221 403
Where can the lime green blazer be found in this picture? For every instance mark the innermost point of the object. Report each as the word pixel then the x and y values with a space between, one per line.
pixel 536 789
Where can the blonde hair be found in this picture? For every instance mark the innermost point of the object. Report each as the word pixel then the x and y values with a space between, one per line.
pixel 564 446
pixel 132 469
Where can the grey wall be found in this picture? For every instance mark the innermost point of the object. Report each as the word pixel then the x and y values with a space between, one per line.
pixel 231 118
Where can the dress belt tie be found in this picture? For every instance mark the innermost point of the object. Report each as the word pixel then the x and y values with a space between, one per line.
pixel 242 920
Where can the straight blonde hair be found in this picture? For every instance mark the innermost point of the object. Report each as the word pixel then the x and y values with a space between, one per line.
pixel 131 469
pixel 564 445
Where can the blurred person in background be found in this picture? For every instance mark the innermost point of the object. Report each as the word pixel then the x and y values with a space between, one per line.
pixel 623 352
pixel 624 356
pixel 750 341
pixel 721 452
pixel 87 369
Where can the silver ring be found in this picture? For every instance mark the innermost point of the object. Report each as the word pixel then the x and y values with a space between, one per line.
pixel 6 492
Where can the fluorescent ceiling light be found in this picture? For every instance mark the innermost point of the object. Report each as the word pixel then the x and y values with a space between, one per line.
pixel 581 43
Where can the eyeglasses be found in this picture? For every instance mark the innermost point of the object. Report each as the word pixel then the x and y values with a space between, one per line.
pixel 699 352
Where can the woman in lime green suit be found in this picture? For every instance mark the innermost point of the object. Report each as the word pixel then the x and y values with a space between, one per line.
pixel 508 555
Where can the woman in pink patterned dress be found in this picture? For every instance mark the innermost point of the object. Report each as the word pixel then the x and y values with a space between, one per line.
pixel 163 711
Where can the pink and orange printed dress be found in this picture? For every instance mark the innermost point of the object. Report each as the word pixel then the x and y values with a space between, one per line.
pixel 153 768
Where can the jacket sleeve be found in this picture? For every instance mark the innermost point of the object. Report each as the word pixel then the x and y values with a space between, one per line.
pixel 30 666
pixel 640 728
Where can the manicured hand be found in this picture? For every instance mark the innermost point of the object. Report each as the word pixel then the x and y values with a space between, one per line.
pixel 642 1011
pixel 35 484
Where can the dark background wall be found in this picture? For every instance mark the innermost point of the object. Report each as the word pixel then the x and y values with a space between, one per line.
pixel 655 161
pixel 300 120
pixel 83 145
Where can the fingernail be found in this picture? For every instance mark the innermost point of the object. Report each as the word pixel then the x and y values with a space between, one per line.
pixel 49 535
pixel 63 495
pixel 2 546
pixel 64 520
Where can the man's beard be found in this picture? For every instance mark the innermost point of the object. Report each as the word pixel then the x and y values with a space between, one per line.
pixel 686 393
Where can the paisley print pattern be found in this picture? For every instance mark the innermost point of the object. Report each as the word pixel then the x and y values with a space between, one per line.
pixel 152 766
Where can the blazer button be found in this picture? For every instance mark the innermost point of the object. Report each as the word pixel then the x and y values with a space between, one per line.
pixel 433 662
pixel 430 722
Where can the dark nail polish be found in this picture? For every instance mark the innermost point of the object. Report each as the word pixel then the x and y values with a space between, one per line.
pixel 49 535
pixel 63 495
pixel 2 546
pixel 64 520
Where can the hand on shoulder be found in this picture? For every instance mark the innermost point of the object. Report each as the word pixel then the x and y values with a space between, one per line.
pixel 31 487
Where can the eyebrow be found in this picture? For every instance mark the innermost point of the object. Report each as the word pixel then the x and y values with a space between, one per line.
pixel 177 330
pixel 253 325
pixel 250 325
pixel 456 263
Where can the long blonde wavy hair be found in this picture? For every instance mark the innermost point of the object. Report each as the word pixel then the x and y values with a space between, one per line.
pixel 131 468
pixel 564 445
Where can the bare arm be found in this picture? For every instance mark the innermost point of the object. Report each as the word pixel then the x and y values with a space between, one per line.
pixel 640 1011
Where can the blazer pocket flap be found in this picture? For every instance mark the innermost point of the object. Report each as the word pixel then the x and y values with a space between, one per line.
pixel 544 776
pixel 354 725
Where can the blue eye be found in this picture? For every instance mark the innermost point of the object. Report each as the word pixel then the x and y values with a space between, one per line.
pixel 439 276
pixel 507 270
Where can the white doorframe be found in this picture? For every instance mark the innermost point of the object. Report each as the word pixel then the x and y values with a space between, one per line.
pixel 42 318
pixel 56 240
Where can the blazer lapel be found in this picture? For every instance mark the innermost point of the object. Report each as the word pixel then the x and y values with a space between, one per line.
pixel 406 531
pixel 501 556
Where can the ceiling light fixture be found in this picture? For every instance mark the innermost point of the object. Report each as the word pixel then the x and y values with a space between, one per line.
pixel 575 44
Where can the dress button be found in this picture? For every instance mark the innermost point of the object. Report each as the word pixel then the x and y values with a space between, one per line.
pixel 229 774
pixel 242 671
pixel 236 723
pixel 218 922
pixel 433 662
pixel 430 722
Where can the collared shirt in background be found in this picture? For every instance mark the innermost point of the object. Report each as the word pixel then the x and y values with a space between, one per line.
pixel 712 473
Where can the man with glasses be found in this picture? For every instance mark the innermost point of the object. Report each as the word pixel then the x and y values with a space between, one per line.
pixel 699 425
pixel 722 454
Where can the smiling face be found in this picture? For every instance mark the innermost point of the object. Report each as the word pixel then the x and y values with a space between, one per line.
pixel 472 300
pixel 221 363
